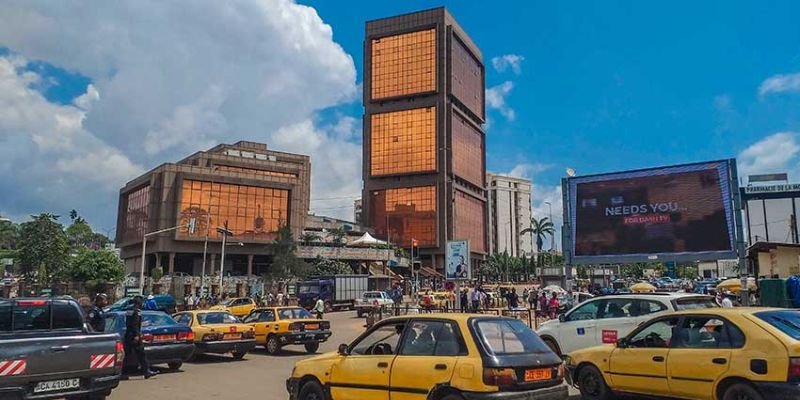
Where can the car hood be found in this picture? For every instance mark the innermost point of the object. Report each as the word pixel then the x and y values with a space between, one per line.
pixel 331 356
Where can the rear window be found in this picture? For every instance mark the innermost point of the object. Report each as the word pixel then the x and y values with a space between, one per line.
pixel 694 303
pixel 157 320
pixel 30 315
pixel 66 316
pixel 216 318
pixel 5 317
pixel 787 322
pixel 509 336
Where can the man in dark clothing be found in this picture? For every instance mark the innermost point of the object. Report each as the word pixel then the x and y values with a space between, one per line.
pixel 512 298
pixel 133 336
pixel 95 316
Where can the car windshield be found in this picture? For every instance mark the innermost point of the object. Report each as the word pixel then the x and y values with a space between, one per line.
pixel 694 303
pixel 226 302
pixel 787 322
pixel 157 320
pixel 372 295
pixel 309 288
pixel 294 313
pixel 507 336
pixel 121 302
pixel 216 318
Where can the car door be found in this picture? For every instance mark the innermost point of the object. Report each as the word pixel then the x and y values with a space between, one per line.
pixel 701 353
pixel 616 319
pixel 639 364
pixel 578 330
pixel 264 323
pixel 364 372
pixel 236 307
pixel 427 358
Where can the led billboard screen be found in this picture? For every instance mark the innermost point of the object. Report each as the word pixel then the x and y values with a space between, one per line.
pixel 681 211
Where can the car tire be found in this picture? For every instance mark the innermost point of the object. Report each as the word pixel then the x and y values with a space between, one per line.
pixel 311 391
pixel 552 345
pixel 238 355
pixel 451 396
pixel 592 385
pixel 741 391
pixel 273 345
pixel 312 348
pixel 175 365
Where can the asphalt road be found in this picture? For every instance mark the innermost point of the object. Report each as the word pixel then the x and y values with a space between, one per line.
pixel 258 376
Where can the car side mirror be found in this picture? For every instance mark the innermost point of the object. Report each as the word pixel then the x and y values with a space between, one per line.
pixel 562 317
pixel 622 343
pixel 342 349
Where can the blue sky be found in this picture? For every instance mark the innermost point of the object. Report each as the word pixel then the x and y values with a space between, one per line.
pixel 599 86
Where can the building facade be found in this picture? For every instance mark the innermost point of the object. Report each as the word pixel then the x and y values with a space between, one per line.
pixel 358 217
pixel 509 214
pixel 245 186
pixel 424 145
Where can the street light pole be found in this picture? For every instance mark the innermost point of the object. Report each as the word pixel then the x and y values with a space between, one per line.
pixel 225 232
pixel 190 225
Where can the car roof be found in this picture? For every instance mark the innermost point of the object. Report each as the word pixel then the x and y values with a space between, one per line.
pixel 730 311
pixel 657 295
pixel 203 311
pixel 457 317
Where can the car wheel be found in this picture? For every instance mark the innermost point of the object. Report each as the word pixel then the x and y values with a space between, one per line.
pixel 451 396
pixel 311 391
pixel 742 391
pixel 175 365
pixel 238 355
pixel 592 384
pixel 273 345
pixel 552 345
pixel 312 348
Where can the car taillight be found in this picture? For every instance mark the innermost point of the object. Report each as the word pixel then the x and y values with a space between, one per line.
pixel 120 354
pixel 186 336
pixel 296 326
pixel 208 337
pixel 147 338
pixel 794 369
pixel 499 376
pixel 249 335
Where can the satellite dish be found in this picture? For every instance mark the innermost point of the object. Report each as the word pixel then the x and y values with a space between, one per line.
pixel 570 172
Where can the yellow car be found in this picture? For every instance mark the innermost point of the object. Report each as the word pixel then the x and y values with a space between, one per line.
pixel 713 353
pixel 276 327
pixel 238 306
pixel 218 332
pixel 437 357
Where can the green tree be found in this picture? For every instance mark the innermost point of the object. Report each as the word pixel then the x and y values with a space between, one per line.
pixel 43 248
pixel 540 229
pixel 635 270
pixel 79 234
pixel 9 235
pixel 285 263
pixel 327 266
pixel 310 237
pixel 337 235
pixel 95 266
pixel 583 272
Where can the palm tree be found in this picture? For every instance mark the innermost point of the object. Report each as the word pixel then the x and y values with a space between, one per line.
pixel 539 229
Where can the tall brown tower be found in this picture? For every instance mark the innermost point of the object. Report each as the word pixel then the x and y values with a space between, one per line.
pixel 424 145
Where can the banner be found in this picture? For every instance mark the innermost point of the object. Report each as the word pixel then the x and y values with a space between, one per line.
pixel 457 260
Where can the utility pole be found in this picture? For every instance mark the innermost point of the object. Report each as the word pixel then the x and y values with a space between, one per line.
pixel 225 232
pixel 190 225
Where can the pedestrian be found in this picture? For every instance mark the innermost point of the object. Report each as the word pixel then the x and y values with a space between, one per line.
pixel 512 299
pixel 554 304
pixel 270 299
pixel 95 315
pixel 532 299
pixel 151 304
pixel 475 299
pixel 319 308
pixel 280 298
pixel 188 301
pixel 726 301
pixel 133 336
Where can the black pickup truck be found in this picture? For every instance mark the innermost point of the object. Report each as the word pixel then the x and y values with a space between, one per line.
pixel 48 351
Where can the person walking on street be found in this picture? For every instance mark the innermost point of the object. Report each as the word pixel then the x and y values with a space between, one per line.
pixel 95 316
pixel 319 308
pixel 133 336
pixel 554 304
pixel 476 299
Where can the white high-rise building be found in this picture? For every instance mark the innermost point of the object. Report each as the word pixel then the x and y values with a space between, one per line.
pixel 509 213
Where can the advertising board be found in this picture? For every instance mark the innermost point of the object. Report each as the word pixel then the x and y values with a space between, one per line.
pixel 457 260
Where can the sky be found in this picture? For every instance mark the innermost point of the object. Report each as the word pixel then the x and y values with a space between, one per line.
pixel 94 93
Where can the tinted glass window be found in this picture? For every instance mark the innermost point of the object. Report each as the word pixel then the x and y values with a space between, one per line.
pixel 5 317
pixel 707 332
pixel 787 322
pixel 656 335
pixel 694 303
pixel 644 307
pixel 381 341
pixel 111 321
pixel 502 337
pixel 156 320
pixel 294 313
pixel 266 316
pixel 584 312
pixel 428 338
pixel 184 319
pixel 252 317
pixel 216 318
pixel 618 308
pixel 66 316
pixel 31 315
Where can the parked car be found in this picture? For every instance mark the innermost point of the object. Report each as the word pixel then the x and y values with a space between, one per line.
pixel 276 327
pixel 370 300
pixel 714 353
pixel 604 319
pixel 164 302
pixel 165 341
pixel 48 351
pixel 218 332
pixel 444 356
pixel 238 306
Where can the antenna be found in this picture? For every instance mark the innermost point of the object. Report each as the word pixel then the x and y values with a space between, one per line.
pixel 570 172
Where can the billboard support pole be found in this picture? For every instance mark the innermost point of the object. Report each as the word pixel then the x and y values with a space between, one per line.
pixel 566 231
pixel 740 243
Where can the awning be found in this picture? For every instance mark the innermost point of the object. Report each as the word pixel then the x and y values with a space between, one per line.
pixel 379 271
pixel 365 240
pixel 430 272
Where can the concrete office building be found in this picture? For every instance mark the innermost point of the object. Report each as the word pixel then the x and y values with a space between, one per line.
pixel 254 189
pixel 509 214
pixel 424 145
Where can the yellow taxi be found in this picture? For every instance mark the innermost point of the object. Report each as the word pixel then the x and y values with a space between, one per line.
pixel 435 357
pixel 276 327
pixel 218 332
pixel 238 306
pixel 713 353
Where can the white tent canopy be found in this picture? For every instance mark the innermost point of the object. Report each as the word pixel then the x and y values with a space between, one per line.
pixel 366 240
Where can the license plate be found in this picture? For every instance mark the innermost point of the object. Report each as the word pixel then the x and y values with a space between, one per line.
pixel 164 338
pixel 232 336
pixel 312 327
pixel 537 374
pixel 52 386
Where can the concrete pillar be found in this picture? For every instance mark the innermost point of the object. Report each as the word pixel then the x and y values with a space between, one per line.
pixel 250 264
pixel 171 268
pixel 212 266
pixel 158 260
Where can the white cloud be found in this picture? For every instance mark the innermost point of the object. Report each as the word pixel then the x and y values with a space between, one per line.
pixel 168 79
pixel 775 153
pixel 780 84
pixel 506 61
pixel 527 170
pixel 496 99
